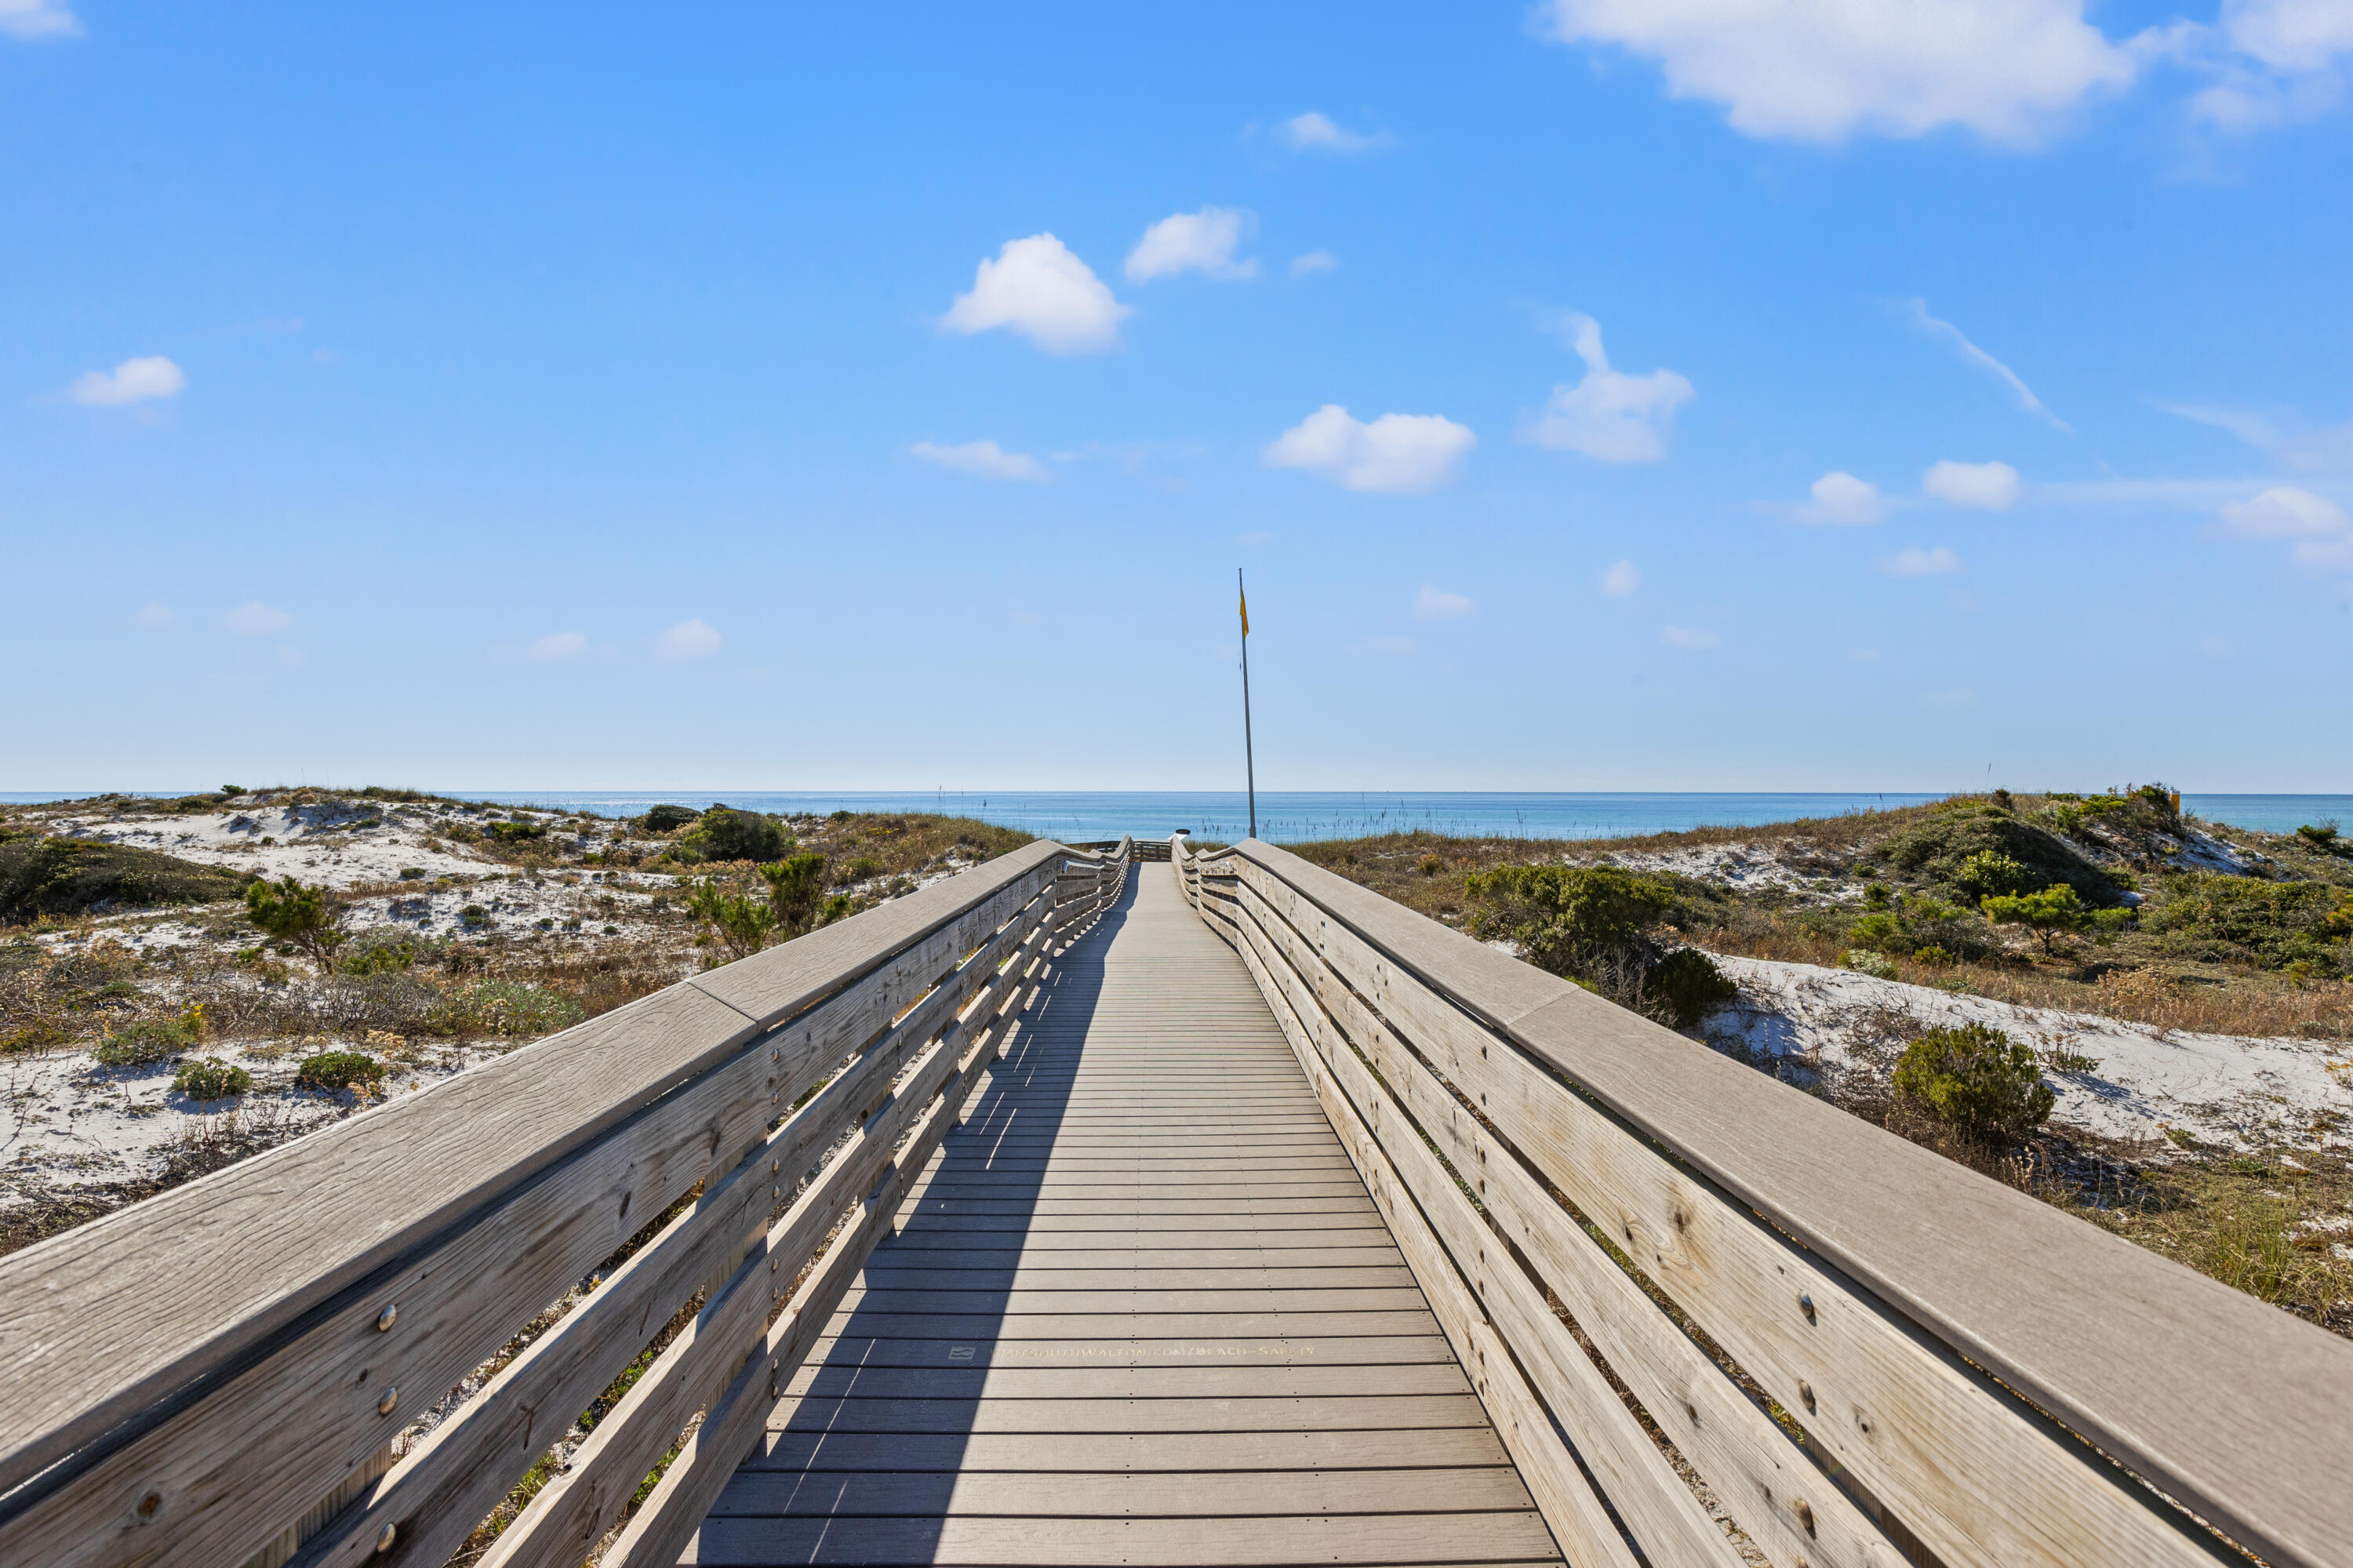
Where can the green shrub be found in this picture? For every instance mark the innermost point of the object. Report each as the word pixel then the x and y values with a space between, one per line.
pixel 515 833
pixel 306 918
pixel 2319 834
pixel 1687 983
pixel 864 867
pixel 2222 919
pixel 1946 847
pixel 474 915
pixel 1920 922
pixel 332 1070
pixel 1565 917
pixel 739 920
pixel 412 874
pixel 72 876
pixel 1991 872
pixel 795 887
pixel 1933 956
pixel 1868 961
pixel 383 951
pixel 210 1078
pixel 668 819
pixel 146 1042
pixel 840 906
pixel 1975 1079
pixel 727 834
pixel 502 1007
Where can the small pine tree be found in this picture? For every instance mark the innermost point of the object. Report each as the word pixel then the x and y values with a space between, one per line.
pixel 2048 914
pixel 739 920
pixel 795 888
pixel 306 917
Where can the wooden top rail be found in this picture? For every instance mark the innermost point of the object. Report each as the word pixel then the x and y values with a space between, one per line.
pixel 218 1373
pixel 1955 1371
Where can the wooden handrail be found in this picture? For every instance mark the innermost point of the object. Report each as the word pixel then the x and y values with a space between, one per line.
pixel 1977 1377
pixel 217 1374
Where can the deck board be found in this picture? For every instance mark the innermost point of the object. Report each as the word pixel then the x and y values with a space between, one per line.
pixel 1139 1309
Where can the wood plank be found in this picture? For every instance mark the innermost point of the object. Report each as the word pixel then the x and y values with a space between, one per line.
pixel 1195 1452
pixel 1154 1543
pixel 1119 1494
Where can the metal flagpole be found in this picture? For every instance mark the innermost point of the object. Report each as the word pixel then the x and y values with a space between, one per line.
pixel 1250 764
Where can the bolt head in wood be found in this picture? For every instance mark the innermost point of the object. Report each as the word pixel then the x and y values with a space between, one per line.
pixel 391 1397
pixel 386 1537
pixel 387 1317
pixel 1806 1305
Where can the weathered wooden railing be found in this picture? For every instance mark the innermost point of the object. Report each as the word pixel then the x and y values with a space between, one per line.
pixel 1866 1353
pixel 226 1372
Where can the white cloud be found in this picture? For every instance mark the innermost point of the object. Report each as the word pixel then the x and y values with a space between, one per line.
pixel 559 645
pixel 1199 242
pixel 155 617
pixel 2329 554
pixel 1437 604
pixel 984 459
pixel 2284 512
pixel 1314 262
pixel 1402 454
pixel 1939 562
pixel 1993 486
pixel 1685 637
pixel 37 20
pixel 1840 500
pixel 1609 415
pixel 1620 580
pixel 1315 132
pixel 2275 61
pixel 1917 312
pixel 132 381
pixel 1036 288
pixel 688 639
pixel 1820 70
pixel 1384 648
pixel 2253 429
pixel 255 618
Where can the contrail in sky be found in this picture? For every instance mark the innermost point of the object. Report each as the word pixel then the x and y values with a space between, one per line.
pixel 1917 312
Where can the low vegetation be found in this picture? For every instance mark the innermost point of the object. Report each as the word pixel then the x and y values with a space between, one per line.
pixel 42 876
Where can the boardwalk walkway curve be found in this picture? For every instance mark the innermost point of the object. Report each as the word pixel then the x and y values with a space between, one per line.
pixel 1092 1206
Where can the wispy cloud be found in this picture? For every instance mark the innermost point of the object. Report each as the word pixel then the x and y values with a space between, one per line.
pixel 34 19
pixel 1609 415
pixel 1917 312
pixel 557 646
pixel 984 459
pixel 1400 454
pixel 1686 637
pixel 1036 288
pixel 688 639
pixel 155 617
pixel 1437 604
pixel 1989 486
pixel 1315 132
pixel 2285 512
pixel 1919 563
pixel 1620 580
pixel 1314 262
pixel 255 618
pixel 1201 242
pixel 132 381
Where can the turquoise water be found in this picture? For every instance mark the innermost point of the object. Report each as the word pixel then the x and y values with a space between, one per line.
pixel 1296 816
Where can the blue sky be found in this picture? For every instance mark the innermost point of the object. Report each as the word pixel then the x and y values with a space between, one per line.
pixel 750 398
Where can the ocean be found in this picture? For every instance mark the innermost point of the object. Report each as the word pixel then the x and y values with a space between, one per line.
pixel 1296 816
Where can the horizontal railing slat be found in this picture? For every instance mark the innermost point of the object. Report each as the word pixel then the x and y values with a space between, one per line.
pixel 2225 1403
pixel 281 1265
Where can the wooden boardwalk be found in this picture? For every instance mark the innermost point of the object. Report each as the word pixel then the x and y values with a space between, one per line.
pixel 1140 1311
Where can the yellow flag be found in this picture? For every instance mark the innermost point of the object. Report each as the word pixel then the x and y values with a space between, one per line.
pixel 1245 614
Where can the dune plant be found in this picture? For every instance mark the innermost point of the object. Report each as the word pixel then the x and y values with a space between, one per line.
pixel 742 922
pixel 795 888
pixel 304 916
pixel 1975 1079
